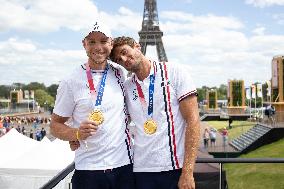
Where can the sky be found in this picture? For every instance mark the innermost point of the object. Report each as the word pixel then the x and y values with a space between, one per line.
pixel 217 40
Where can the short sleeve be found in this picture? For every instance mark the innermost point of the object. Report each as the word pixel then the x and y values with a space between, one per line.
pixel 64 103
pixel 182 81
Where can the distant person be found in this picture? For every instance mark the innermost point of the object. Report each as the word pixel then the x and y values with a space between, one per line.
pixel 225 135
pixel 206 137
pixel 270 112
pixel 230 122
pixel 23 130
pixel 2 131
pixel 38 135
pixel 43 132
pixel 212 135
pixel 1 123
pixel 31 134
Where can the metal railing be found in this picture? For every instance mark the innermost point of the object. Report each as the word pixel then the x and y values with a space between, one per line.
pixel 60 176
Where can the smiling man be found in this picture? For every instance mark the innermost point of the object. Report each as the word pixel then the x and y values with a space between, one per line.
pixel 162 103
pixel 85 99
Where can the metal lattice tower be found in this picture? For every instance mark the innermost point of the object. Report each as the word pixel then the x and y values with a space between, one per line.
pixel 151 33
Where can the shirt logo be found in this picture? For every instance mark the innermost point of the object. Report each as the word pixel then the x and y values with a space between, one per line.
pixel 163 84
pixel 134 94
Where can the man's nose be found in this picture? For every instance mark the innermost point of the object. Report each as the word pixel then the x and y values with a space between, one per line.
pixel 123 58
pixel 97 46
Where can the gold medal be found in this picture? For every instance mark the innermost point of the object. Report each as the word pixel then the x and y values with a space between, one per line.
pixel 96 116
pixel 150 127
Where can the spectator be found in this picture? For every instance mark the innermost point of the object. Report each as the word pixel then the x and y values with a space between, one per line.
pixel 225 136
pixel 38 135
pixel 23 130
pixel 206 137
pixel 31 134
pixel 43 132
pixel 269 111
pixel 230 122
pixel 212 134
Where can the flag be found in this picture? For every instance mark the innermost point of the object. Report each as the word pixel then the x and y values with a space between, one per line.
pixel 248 93
pixel 274 74
pixel 228 89
pixel 253 90
pixel 32 94
pixel 27 95
pixel 259 90
pixel 268 88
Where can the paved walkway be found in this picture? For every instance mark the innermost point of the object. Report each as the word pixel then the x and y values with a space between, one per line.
pixel 219 142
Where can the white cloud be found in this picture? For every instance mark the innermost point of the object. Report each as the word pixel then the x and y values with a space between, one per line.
pixel 125 22
pixel 222 51
pixel 279 18
pixel 12 45
pixel 259 30
pixel 46 16
pixel 23 61
pixel 180 21
pixel 214 47
pixel 265 3
pixel 43 16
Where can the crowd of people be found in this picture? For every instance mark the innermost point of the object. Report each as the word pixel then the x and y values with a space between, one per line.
pixel 26 120
pixel 30 126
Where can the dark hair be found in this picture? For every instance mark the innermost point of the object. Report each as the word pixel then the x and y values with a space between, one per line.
pixel 119 41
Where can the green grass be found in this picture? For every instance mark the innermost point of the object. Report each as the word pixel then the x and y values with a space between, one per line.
pixel 238 127
pixel 258 176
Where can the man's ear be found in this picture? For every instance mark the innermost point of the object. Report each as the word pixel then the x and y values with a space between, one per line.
pixel 111 42
pixel 84 43
pixel 137 46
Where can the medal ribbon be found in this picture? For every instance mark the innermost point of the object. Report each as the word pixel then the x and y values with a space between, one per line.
pixel 151 93
pixel 96 95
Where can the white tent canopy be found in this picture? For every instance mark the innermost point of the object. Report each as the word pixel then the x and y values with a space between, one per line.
pixel 14 144
pixel 34 163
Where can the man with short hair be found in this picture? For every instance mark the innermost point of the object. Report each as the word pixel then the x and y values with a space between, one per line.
pixel 162 103
pixel 91 99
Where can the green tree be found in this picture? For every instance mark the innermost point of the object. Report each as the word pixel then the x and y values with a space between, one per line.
pixel 222 92
pixel 237 92
pixel 43 98
pixel 18 86
pixel 4 91
pixel 264 92
pixel 202 93
pixel 212 99
pixel 52 90
pixel 35 85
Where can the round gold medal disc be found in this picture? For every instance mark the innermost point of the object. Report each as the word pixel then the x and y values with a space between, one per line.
pixel 150 127
pixel 96 116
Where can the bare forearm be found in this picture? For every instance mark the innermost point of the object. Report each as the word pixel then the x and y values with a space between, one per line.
pixel 63 132
pixel 60 130
pixel 192 137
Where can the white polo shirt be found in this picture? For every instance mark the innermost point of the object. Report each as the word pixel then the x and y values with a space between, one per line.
pixel 163 150
pixel 110 146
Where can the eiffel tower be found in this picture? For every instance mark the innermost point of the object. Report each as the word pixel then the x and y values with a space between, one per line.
pixel 151 33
